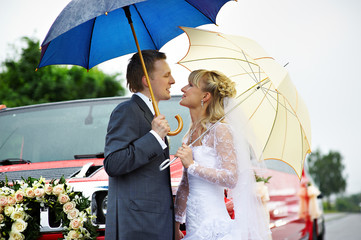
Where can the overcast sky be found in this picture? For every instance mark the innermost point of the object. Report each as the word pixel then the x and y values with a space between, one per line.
pixel 319 39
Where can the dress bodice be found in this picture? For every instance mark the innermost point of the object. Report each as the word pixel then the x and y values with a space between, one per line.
pixel 203 185
pixel 205 204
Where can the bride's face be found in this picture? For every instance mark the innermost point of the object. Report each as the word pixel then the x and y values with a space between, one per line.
pixel 192 96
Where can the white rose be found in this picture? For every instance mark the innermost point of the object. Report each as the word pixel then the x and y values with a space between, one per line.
pixel 16 215
pixel 9 210
pixel 16 236
pixel 2 217
pixel 19 226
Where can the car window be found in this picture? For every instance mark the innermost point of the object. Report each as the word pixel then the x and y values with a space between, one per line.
pixel 55 131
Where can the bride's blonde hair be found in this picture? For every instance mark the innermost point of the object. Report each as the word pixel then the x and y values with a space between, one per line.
pixel 219 86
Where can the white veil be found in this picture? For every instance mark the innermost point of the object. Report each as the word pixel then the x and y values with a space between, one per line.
pixel 251 221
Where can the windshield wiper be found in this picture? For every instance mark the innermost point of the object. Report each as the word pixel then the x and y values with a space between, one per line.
pixel 85 156
pixel 11 161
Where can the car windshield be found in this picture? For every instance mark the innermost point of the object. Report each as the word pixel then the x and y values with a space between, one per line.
pixel 75 129
pixel 52 132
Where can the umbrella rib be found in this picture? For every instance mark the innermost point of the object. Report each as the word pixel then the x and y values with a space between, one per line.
pixel 90 43
pixel 145 26
pixel 273 125
pixel 260 101
pixel 253 73
pixel 200 11
pixel 283 105
pixel 244 55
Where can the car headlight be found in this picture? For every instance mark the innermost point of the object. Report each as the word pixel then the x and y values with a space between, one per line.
pixel 104 205
pixel 99 206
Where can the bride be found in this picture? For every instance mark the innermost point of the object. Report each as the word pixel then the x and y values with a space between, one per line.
pixel 218 160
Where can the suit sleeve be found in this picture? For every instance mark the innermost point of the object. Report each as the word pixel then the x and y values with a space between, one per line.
pixel 129 144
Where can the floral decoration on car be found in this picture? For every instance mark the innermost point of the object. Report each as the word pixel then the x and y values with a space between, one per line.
pixel 21 201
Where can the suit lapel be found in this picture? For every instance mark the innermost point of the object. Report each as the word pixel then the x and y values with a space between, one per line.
pixel 147 113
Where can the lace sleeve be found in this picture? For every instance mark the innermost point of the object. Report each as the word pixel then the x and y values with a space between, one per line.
pixel 225 174
pixel 181 199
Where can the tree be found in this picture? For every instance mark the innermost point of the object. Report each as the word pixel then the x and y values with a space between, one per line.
pixel 327 170
pixel 349 204
pixel 21 85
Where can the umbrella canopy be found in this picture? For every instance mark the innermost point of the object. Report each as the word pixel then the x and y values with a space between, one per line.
pixel 89 32
pixel 274 109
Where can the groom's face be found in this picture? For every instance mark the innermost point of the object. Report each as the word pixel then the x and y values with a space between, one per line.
pixel 161 80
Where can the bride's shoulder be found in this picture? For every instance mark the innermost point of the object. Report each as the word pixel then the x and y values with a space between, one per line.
pixel 222 127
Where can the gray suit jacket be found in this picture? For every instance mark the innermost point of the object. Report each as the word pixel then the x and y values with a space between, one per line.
pixel 140 202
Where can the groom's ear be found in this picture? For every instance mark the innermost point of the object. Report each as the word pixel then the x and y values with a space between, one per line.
pixel 144 82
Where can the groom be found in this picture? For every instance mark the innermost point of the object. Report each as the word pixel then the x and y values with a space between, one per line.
pixel 140 202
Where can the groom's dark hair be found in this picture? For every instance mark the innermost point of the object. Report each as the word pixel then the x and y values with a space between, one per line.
pixel 135 70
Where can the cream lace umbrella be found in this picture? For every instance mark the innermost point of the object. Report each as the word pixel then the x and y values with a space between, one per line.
pixel 270 101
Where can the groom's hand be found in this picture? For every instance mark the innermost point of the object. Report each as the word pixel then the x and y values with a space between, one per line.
pixel 160 126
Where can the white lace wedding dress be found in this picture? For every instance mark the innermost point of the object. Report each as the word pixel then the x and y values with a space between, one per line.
pixel 200 197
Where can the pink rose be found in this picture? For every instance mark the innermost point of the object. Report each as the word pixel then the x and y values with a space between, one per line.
pixel 48 189
pixel 30 193
pixel 39 192
pixel 76 223
pixel 19 196
pixel 68 207
pixel 58 189
pixel 73 234
pixel 73 213
pixel 3 201
pixel 63 198
pixel 11 200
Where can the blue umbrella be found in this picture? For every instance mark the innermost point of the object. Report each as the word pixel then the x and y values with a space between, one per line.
pixel 89 32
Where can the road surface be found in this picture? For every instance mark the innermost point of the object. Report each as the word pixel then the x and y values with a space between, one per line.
pixel 343 226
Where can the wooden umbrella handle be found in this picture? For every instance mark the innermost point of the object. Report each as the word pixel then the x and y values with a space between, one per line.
pixel 155 105
pixel 179 128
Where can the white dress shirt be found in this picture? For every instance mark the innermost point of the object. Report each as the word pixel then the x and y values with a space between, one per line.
pixel 148 102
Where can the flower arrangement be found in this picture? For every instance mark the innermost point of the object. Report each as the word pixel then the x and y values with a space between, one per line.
pixel 262 193
pixel 20 204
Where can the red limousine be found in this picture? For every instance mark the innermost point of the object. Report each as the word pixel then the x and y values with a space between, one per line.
pixel 67 139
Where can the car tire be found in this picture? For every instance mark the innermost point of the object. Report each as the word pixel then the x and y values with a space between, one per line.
pixel 322 234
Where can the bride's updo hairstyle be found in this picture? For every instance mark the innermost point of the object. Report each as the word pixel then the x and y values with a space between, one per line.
pixel 219 86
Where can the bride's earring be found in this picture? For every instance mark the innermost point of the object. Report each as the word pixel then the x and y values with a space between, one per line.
pixel 202 103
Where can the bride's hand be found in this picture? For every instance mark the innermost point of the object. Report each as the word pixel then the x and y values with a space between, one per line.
pixel 185 155
pixel 178 233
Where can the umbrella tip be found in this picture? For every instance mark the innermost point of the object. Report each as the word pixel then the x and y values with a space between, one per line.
pixel 106 13
pixel 36 69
